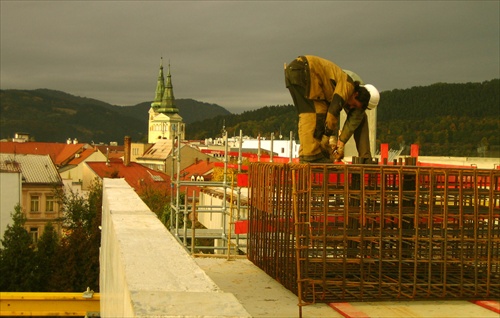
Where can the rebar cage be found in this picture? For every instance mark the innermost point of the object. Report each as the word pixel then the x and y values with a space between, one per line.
pixel 376 232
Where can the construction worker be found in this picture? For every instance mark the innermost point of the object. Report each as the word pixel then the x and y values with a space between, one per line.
pixel 320 90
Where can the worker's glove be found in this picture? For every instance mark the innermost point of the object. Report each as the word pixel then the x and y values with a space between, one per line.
pixel 325 147
pixel 332 141
pixel 338 153
pixel 325 142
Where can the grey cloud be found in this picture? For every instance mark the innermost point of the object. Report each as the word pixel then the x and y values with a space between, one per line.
pixel 232 52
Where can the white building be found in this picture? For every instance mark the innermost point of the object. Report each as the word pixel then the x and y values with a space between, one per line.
pixel 10 193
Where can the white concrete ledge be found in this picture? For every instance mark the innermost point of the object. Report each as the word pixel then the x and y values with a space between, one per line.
pixel 466 162
pixel 145 272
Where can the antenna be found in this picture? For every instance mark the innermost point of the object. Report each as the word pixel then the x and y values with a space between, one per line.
pixel 223 126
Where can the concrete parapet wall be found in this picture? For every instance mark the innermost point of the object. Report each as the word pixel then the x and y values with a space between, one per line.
pixel 467 162
pixel 145 272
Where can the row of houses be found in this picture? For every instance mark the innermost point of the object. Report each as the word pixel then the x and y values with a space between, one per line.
pixel 32 172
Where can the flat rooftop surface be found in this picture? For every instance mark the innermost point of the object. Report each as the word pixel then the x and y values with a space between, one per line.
pixel 263 296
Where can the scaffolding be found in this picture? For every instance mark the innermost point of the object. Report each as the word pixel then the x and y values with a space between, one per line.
pixel 232 211
pixel 355 232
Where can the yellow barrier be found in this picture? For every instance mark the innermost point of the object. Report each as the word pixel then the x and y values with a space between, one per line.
pixel 49 304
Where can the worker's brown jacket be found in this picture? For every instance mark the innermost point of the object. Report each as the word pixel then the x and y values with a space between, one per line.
pixel 328 82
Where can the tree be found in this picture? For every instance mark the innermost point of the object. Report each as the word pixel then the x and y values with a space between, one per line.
pixel 16 256
pixel 46 265
pixel 78 270
pixel 155 198
pixel 76 209
pixel 79 247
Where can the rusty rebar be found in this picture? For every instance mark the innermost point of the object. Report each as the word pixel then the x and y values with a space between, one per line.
pixel 376 232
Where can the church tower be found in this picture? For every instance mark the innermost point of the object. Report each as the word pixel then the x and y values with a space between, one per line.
pixel 164 115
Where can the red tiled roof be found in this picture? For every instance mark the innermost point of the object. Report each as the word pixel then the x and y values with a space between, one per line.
pixel 59 153
pixel 135 174
pixel 67 153
pixel 112 151
pixel 201 168
pixel 82 156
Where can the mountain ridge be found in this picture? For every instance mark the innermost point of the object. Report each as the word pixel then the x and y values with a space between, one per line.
pixel 53 116
pixel 443 119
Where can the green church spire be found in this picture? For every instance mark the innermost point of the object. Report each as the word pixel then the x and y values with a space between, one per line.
pixel 160 87
pixel 168 100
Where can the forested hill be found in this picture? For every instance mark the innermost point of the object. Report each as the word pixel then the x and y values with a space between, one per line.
pixel 470 99
pixel 54 116
pixel 444 119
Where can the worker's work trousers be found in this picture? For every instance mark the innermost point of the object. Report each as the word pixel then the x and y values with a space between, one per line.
pixel 312 114
pixel 362 139
pixel 312 149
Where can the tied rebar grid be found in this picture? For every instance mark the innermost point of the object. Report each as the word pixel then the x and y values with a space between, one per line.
pixel 369 232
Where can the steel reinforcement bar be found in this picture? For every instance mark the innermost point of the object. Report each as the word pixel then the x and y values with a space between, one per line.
pixel 375 232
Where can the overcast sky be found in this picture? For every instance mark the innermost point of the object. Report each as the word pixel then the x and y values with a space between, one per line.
pixel 231 53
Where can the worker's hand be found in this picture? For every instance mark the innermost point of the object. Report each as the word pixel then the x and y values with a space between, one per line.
pixel 327 148
pixel 324 141
pixel 338 153
pixel 331 124
pixel 332 141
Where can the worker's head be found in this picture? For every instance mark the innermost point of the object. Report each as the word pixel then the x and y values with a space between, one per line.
pixel 364 97
pixel 368 95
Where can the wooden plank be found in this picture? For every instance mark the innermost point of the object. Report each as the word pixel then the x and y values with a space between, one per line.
pixel 347 310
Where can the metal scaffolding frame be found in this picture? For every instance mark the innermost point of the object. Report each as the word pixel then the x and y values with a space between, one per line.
pixel 231 243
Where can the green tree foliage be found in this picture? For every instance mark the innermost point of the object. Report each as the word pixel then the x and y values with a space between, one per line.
pixel 264 121
pixel 79 247
pixel 81 266
pixel 53 264
pixel 46 265
pixel 443 119
pixel 17 264
pixel 474 100
pixel 156 199
pixel 76 209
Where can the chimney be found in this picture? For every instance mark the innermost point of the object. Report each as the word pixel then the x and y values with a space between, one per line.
pixel 126 157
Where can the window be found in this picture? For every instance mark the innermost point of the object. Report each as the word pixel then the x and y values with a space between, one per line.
pixel 49 203
pixel 34 234
pixel 35 203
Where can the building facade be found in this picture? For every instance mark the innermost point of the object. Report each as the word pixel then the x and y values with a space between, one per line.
pixel 10 193
pixel 39 182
